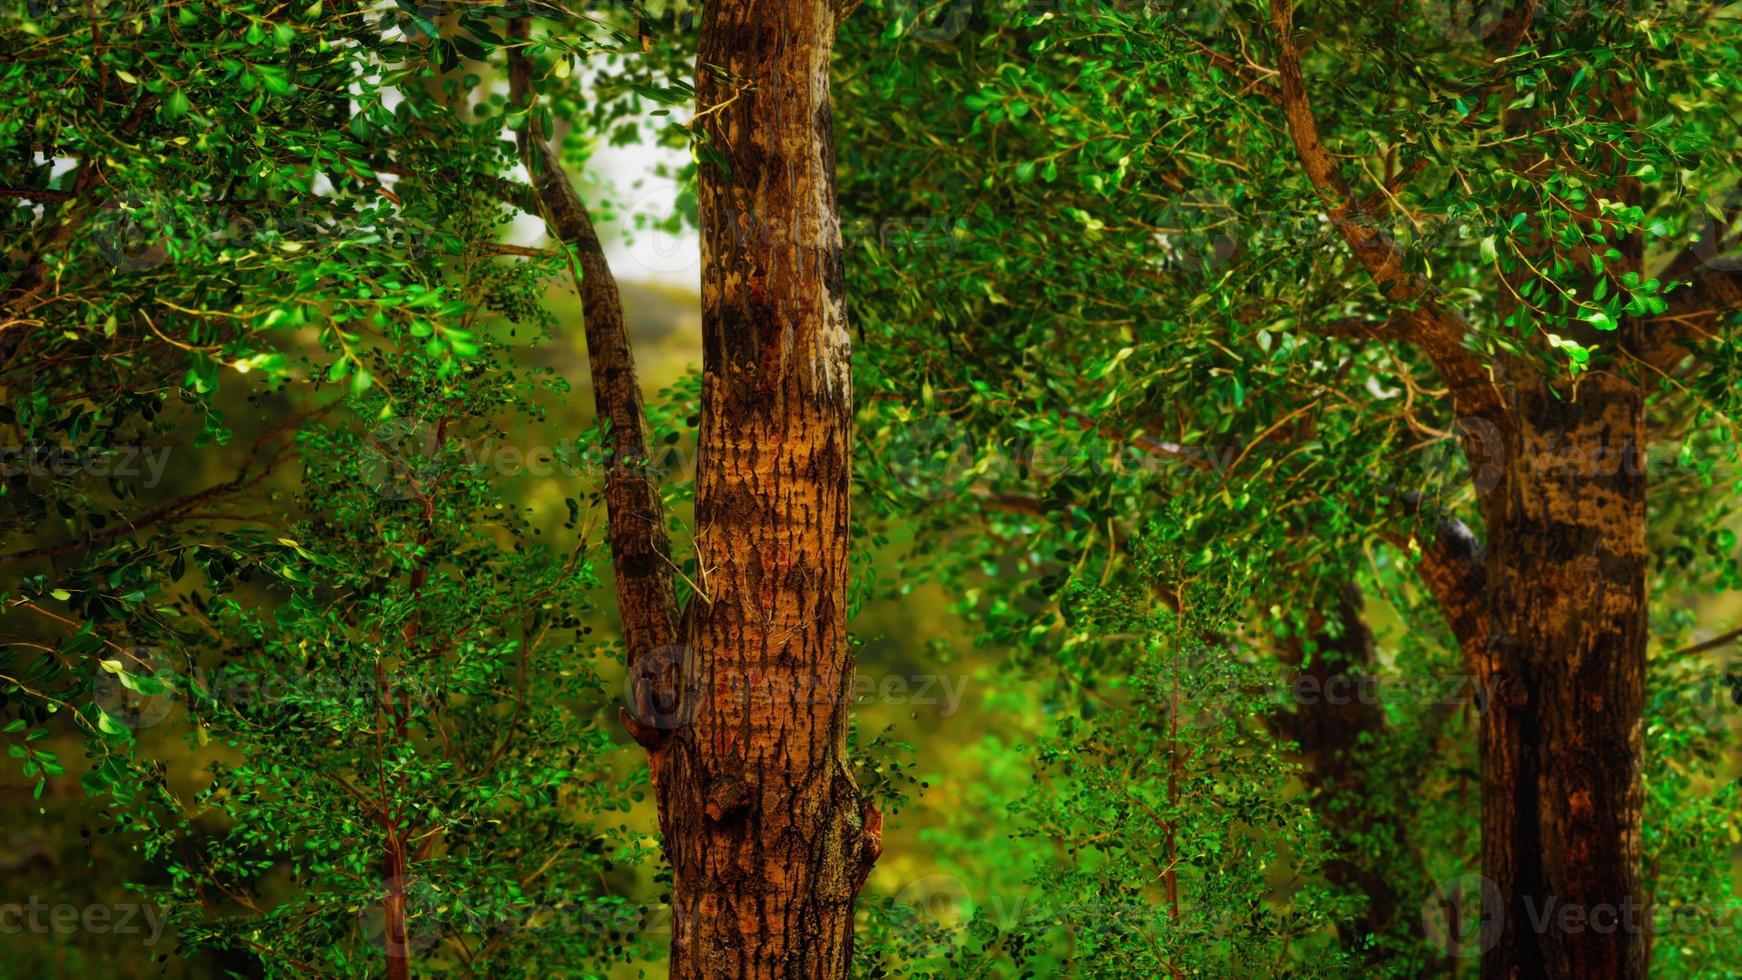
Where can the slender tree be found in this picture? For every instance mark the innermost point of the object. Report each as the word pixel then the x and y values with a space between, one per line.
pixel 272 226
pixel 742 702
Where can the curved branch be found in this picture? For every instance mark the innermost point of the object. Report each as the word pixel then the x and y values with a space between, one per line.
pixel 1440 332
pixel 635 512
pixel 1454 568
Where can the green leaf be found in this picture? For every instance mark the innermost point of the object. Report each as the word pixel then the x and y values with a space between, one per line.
pixel 110 726
pixel 274 79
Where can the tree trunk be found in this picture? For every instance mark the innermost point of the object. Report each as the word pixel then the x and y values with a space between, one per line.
pixel 768 836
pixel 1338 716
pixel 1562 742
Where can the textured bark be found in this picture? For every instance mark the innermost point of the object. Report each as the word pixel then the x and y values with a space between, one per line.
pixel 743 703
pixel 1563 671
pixel 640 548
pixel 1562 740
pixel 1454 567
pixel 768 836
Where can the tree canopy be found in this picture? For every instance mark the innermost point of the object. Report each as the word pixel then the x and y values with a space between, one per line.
pixel 1305 431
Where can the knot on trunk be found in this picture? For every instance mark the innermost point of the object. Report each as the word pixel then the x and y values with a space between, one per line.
pixel 870 842
pixel 728 796
pixel 660 698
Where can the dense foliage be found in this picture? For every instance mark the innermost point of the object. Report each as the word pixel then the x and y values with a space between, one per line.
pixel 289 599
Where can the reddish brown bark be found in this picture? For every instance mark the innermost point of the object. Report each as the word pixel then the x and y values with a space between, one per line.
pixel 743 705
pixel 1564 592
pixel 768 836
pixel 1337 716
pixel 1562 740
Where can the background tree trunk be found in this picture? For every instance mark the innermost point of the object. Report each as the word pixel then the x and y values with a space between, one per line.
pixel 1562 742
pixel 1339 716
pixel 768 836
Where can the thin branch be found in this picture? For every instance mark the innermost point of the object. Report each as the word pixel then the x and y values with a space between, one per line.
pixel 1721 640
pixel 182 505
pixel 36 193
pixel 634 510
pixel 1396 327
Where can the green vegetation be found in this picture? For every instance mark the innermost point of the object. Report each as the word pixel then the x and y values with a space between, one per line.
pixel 1292 479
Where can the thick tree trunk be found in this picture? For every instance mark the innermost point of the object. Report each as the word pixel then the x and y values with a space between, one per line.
pixel 1562 742
pixel 768 836
pixel 743 705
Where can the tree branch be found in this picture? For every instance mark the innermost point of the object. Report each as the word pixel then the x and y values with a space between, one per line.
pixel 1716 642
pixel 1454 568
pixel 1396 327
pixel 1440 332
pixel 634 510
pixel 36 193
pixel 1696 312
